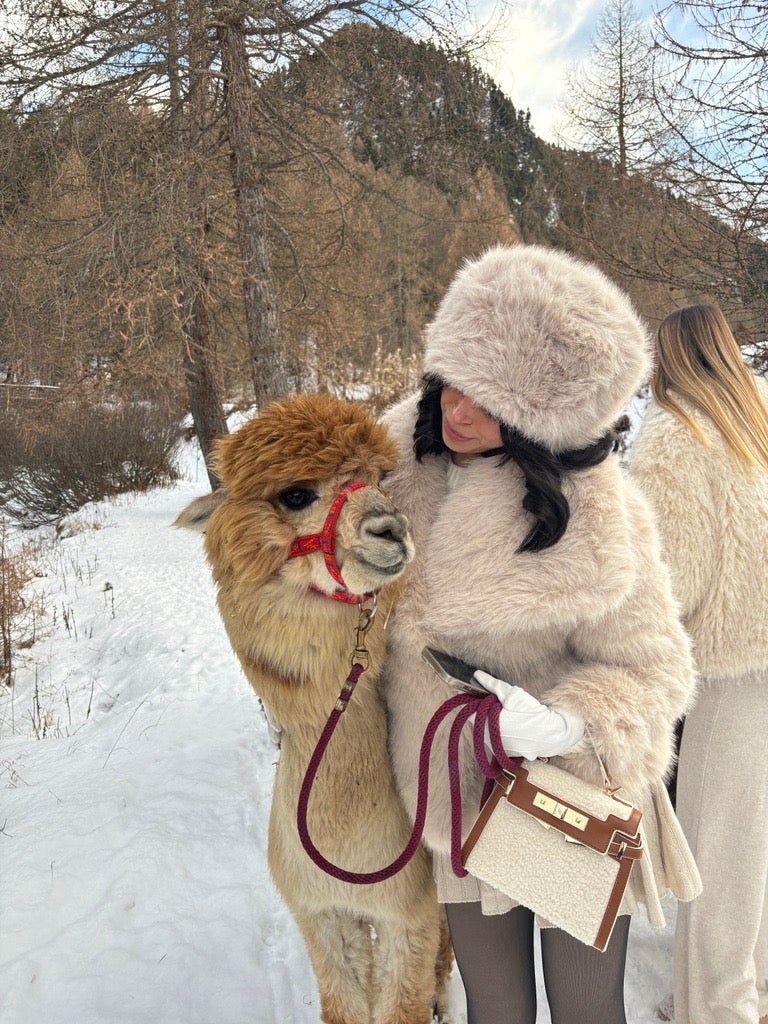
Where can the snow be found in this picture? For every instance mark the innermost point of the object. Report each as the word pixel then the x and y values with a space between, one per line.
pixel 133 878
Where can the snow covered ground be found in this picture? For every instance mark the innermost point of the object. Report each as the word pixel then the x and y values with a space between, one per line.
pixel 133 878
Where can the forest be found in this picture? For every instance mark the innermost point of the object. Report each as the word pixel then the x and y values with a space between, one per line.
pixel 204 206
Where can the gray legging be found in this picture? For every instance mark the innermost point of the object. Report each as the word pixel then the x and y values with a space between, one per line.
pixel 494 954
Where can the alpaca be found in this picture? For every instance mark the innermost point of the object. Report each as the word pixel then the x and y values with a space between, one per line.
pixel 380 952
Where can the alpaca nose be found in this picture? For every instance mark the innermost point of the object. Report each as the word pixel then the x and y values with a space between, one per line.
pixel 392 526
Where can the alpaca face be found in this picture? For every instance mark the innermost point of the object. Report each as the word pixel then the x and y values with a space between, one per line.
pixel 372 544
pixel 281 473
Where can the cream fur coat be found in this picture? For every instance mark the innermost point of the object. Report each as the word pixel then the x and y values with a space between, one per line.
pixel 713 521
pixel 589 625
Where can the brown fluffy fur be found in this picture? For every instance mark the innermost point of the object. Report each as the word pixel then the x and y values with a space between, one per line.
pixel 307 437
pixel 295 646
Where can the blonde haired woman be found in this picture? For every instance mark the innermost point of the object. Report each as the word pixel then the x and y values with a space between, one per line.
pixel 701 456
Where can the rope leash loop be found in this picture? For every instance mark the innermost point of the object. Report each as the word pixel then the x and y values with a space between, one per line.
pixel 485 709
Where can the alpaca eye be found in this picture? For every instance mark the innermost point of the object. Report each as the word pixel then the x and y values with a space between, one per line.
pixel 296 498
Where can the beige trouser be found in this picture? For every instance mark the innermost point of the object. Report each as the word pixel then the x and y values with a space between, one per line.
pixel 721 938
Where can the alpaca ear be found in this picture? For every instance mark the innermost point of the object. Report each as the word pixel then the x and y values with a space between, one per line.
pixel 196 515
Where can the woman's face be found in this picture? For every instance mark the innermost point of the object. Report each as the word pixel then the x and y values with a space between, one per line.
pixel 468 430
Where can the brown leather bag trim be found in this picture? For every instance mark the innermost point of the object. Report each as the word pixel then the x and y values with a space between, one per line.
pixel 612 909
pixel 497 793
pixel 604 837
pixel 622 844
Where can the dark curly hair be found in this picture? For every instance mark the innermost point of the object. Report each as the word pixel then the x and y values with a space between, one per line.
pixel 542 468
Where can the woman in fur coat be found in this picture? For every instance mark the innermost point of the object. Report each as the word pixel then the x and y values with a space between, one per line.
pixel 701 456
pixel 538 562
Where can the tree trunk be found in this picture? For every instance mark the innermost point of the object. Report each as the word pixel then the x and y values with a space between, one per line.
pixel 192 249
pixel 269 368
pixel 622 114
pixel 199 357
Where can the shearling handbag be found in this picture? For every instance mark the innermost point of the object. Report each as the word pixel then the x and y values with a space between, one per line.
pixel 559 845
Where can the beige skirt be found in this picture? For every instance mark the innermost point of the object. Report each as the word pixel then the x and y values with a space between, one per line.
pixel 667 865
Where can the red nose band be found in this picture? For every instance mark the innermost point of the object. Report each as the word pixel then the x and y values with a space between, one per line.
pixel 325 541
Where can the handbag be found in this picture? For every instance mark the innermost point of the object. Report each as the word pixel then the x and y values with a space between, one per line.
pixel 558 845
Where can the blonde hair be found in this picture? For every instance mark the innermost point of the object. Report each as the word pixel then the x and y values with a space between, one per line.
pixel 699 359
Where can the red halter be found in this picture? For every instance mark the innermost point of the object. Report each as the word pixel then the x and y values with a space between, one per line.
pixel 325 541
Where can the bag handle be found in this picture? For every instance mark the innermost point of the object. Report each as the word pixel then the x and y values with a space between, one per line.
pixel 606 777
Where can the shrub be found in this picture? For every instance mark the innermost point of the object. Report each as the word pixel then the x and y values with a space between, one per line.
pixel 57 455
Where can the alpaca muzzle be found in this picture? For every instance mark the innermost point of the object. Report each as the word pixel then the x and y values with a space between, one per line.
pixel 325 542
pixel 384 542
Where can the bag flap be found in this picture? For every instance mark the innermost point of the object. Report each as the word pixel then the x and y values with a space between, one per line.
pixel 613 830
pixel 614 835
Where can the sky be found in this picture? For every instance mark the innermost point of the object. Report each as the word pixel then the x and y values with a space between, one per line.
pixel 133 878
pixel 535 42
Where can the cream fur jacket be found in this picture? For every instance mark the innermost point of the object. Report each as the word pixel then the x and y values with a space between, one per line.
pixel 589 625
pixel 713 520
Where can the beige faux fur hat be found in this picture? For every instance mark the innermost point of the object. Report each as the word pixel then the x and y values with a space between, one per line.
pixel 540 340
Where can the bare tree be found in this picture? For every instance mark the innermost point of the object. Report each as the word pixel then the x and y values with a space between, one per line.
pixel 677 208
pixel 189 129
pixel 144 53
pixel 713 95
pixel 609 97
pixel 266 132
pixel 269 368
pixel 175 56
pixel 711 91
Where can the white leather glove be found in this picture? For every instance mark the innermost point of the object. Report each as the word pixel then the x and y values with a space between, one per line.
pixel 528 728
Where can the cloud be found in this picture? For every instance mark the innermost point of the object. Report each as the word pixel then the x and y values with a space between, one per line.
pixel 532 48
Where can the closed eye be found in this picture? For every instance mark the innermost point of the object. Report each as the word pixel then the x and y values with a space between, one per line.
pixel 297 498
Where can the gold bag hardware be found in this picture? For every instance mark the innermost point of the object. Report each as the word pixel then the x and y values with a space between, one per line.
pixel 575 818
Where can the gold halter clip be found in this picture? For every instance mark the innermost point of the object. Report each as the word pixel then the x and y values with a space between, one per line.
pixel 367 614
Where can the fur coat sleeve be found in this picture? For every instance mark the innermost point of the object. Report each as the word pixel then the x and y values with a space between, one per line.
pixel 633 674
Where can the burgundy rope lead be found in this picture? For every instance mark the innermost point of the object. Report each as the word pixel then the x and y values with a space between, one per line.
pixel 484 709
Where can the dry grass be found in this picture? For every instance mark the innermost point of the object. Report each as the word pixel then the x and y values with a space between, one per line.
pixel 19 615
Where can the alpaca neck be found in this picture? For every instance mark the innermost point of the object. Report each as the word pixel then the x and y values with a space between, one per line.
pixel 297 654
